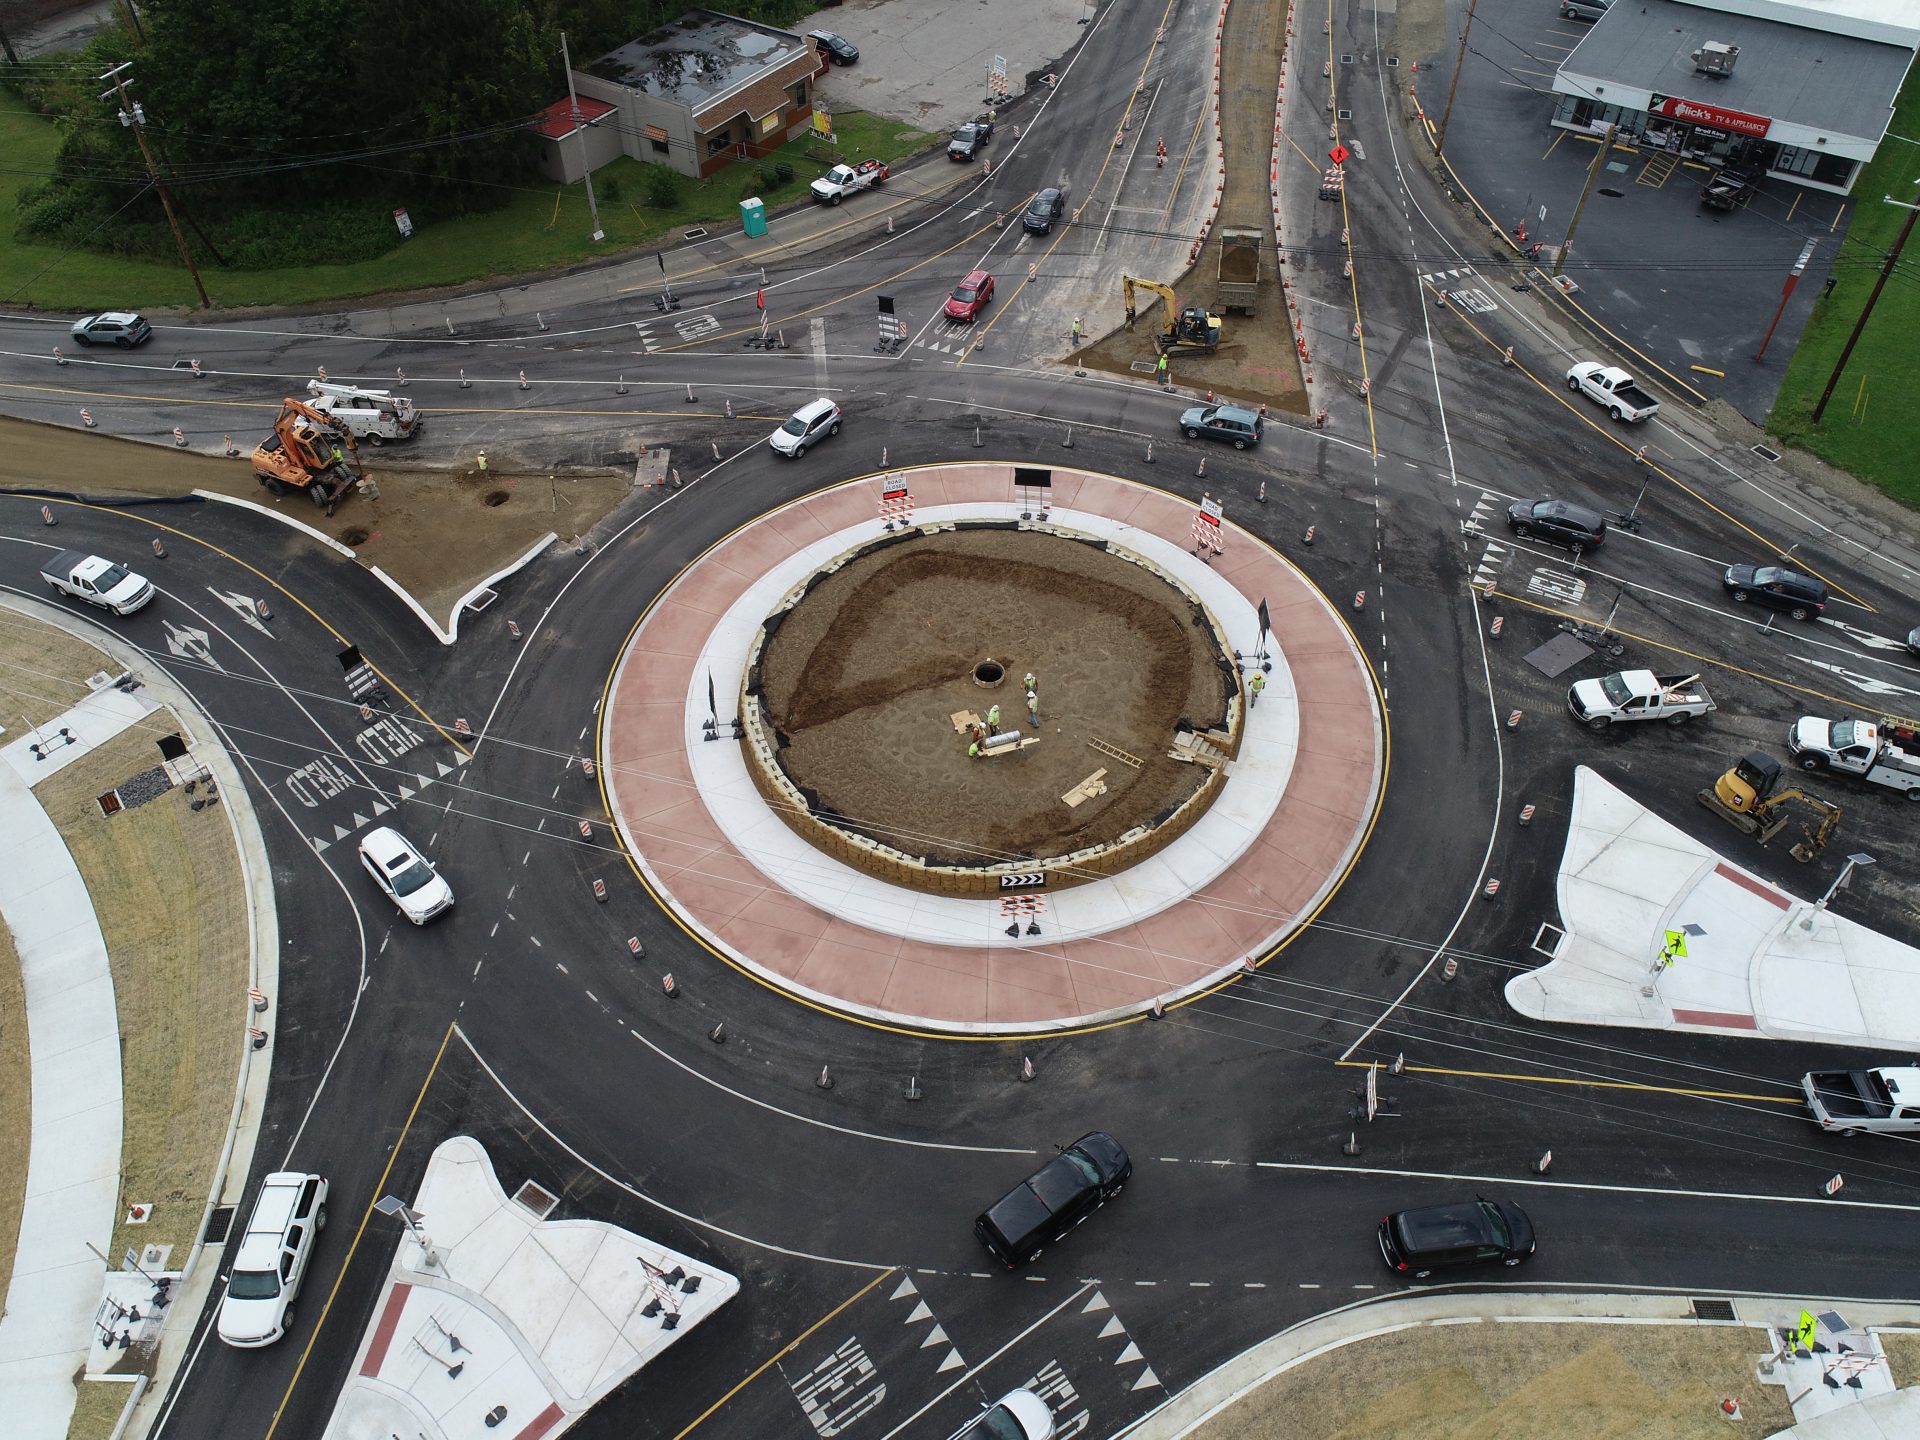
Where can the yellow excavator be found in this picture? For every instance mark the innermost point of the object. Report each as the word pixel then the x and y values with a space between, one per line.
pixel 1189 328
pixel 1748 797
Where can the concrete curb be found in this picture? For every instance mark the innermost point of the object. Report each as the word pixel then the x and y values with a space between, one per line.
pixel 236 1156
pixel 287 520
pixel 451 633
pixel 1241 1377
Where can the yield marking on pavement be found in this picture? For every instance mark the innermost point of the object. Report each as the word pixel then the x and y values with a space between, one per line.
pixel 245 606
pixel 1096 1304
pixel 1147 1379
pixel 934 1336
pixel 906 1288
pixel 1129 1355
pixel 1113 1327
pixel 1865 637
pixel 695 326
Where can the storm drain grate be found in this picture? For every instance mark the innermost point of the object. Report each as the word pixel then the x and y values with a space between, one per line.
pixel 536 1199
pixel 218 1226
pixel 1765 454
pixel 1713 1309
pixel 697 233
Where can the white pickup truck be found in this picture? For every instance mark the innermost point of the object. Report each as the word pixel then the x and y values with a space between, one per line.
pixel 1637 695
pixel 106 583
pixel 1613 390
pixel 1857 747
pixel 1886 1099
pixel 844 180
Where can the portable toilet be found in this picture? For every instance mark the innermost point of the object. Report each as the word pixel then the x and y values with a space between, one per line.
pixel 753 215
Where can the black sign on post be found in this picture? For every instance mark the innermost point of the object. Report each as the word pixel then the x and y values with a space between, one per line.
pixel 1031 880
pixel 893 331
pixel 1034 487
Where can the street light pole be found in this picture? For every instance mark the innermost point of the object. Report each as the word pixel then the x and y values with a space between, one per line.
pixel 1860 858
pixel 1593 172
pixel 135 119
pixel 579 129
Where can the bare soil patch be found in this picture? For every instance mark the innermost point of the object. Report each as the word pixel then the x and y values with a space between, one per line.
pixel 861 677
pixel 438 533
pixel 167 888
pixel 1256 363
pixel 1564 1381
pixel 16 1100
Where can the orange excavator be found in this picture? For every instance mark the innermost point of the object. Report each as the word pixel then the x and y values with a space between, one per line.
pixel 307 452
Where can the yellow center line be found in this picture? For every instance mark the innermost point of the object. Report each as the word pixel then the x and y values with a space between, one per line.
pixel 1092 189
pixel 785 1349
pixel 564 411
pixel 1586 1083
pixel 380 1188
pixel 1582 412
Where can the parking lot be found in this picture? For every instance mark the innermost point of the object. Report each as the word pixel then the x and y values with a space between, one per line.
pixel 1689 285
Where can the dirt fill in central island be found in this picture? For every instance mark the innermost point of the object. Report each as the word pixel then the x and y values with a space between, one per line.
pixel 860 678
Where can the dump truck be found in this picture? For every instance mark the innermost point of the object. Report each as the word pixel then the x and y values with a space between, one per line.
pixel 1637 695
pixel 844 180
pixel 376 416
pixel 1885 1099
pixel 1613 390
pixel 1239 269
pixel 1859 748
pixel 307 451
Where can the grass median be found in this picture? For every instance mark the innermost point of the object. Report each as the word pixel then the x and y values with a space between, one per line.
pixel 1870 426
pixel 544 226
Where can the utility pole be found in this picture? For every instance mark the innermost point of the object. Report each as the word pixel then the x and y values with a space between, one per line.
pixel 135 119
pixel 1566 246
pixel 1893 258
pixel 1440 140
pixel 579 126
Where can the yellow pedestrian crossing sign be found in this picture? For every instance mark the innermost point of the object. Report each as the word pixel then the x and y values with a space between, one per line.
pixel 1677 944
pixel 1803 1337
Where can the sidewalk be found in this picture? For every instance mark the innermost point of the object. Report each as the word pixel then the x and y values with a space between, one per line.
pixel 73 1034
pixel 1758 961
pixel 502 1319
pixel 1232 1400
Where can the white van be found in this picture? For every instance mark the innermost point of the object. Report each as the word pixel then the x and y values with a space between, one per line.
pixel 272 1259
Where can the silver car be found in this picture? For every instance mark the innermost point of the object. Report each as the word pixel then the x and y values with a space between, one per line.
pixel 405 874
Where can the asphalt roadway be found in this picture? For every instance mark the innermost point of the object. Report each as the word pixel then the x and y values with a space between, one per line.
pixel 521 1018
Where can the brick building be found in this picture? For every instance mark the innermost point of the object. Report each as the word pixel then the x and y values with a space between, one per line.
pixel 696 94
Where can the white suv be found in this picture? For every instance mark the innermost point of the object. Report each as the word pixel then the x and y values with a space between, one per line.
pixel 409 880
pixel 272 1259
pixel 809 423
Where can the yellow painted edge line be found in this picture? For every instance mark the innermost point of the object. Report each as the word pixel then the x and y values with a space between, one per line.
pixel 1585 415
pixel 380 1188
pixel 1589 1084
pixel 1709 370
pixel 1727 665
pixel 785 1349
pixel 564 411
pixel 673 914
pixel 267 579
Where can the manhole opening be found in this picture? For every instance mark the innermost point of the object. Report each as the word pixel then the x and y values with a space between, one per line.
pixel 355 536
pixel 989 673
pixel 1610 192
pixel 495 497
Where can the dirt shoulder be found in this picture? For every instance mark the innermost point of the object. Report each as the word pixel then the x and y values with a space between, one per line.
pixel 437 533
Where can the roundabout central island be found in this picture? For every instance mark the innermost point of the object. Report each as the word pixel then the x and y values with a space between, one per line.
pixel 981 767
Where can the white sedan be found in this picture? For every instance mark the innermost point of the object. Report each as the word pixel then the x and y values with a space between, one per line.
pixel 1018 1415
pixel 405 874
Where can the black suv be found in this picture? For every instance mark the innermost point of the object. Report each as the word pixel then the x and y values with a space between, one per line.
pixel 1042 1208
pixel 1559 521
pixel 1043 211
pixel 1777 588
pixel 838 49
pixel 1446 1237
